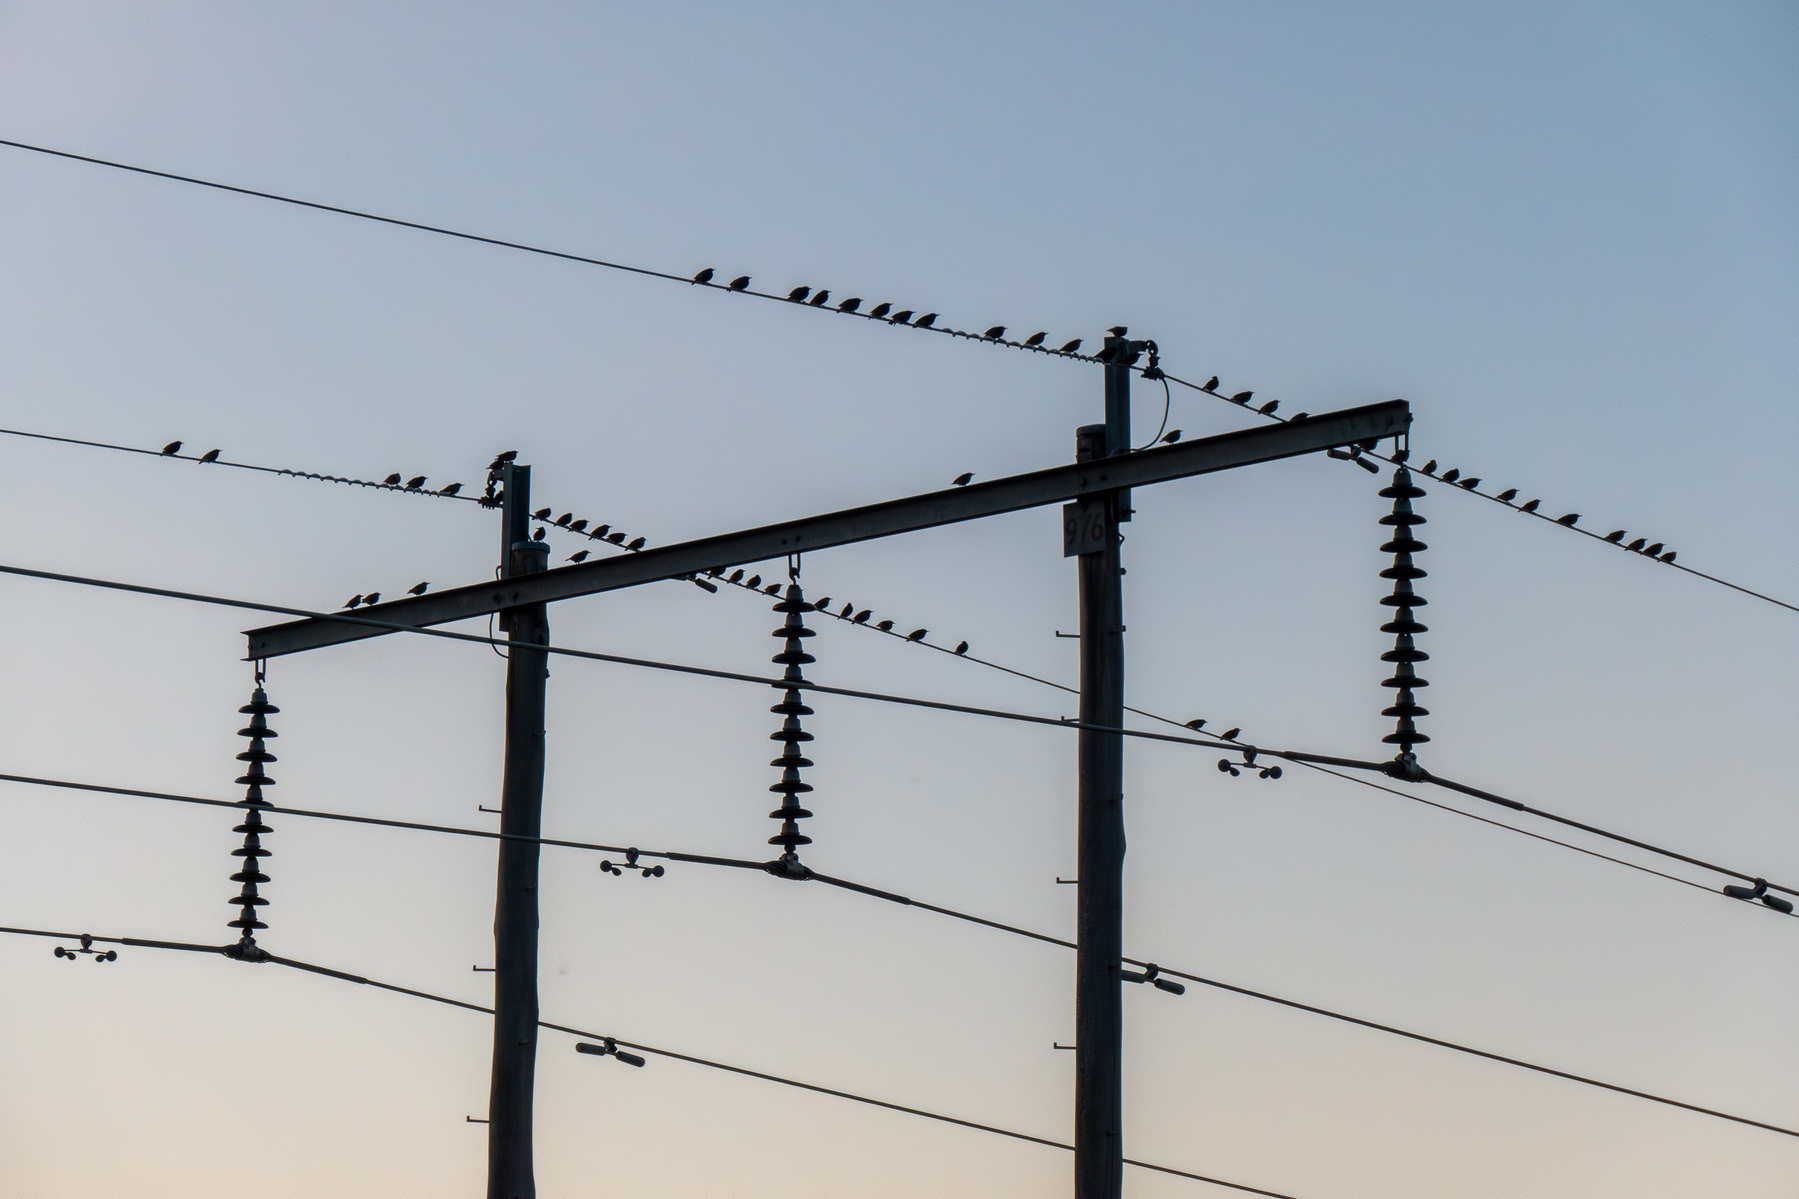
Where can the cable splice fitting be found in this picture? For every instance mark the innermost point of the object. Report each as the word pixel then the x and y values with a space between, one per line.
pixel 792 656
pixel 247 900
pixel 1404 654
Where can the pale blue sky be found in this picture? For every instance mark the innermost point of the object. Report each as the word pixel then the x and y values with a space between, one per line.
pixel 1565 233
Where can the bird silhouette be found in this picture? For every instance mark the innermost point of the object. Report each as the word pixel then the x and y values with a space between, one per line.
pixel 373 597
pixel 1070 347
pixel 755 581
pixel 823 605
pixel 1035 339
pixel 210 456
pixel 926 321
pixel 704 276
pixel 1196 725
pixel 961 648
pixel 772 589
pixel 615 538
pixel 1638 544
pixel 1529 505
pixel 578 556
pixel 1230 734
pixel 1668 557
pixel 736 577
pixel 886 626
pixel 1268 408
pixel 561 522
pixel 740 283
pixel 1568 520
pixel 538 536
pixel 963 479
pixel 820 298
pixel 449 489
pixel 637 543
pixel 1118 330
pixel 417 589
pixel 1210 384
pixel 1173 436
pixel 881 309
pixel 1653 550
pixel 578 526
pixel 1106 355
pixel 1242 397
pixel 847 609
pixel 798 294
pixel 500 460
pixel 861 617
pixel 1451 475
pixel 170 450
pixel 1471 484
pixel 599 531
pixel 1429 468
pixel 1509 494
pixel 1297 417
pixel 392 480
pixel 414 483
pixel 995 333
pixel 850 305
pixel 900 317
pixel 354 601
pixel 541 514
pixel 917 634
pixel 1615 536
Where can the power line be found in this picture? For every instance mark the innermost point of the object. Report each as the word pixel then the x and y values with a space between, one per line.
pixel 803 297
pixel 345 976
pixel 890 897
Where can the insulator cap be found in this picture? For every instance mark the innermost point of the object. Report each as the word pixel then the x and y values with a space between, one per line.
pixel 791 760
pixel 789 840
pixel 1404 624
pixel 1405 739
pixel 787 813
pixel 256 778
pixel 1404 599
pixel 256 731
pixel 1403 519
pixel 249 876
pixel 1404 570
pixel 1405 709
pixel 791 787
pixel 259 703
pixel 1405 655
pixel 793 657
pixel 1402 491
pixel 1406 681
pixel 257 754
pixel 1404 544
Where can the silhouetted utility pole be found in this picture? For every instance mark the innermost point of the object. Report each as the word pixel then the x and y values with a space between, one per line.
pixel 509 1159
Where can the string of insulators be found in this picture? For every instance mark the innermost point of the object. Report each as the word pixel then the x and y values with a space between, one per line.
pixel 1404 626
pixel 792 656
pixel 254 780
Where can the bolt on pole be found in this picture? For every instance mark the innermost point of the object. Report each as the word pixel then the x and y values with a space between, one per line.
pixel 510 1172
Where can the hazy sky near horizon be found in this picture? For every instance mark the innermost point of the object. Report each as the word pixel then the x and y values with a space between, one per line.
pixel 1568 234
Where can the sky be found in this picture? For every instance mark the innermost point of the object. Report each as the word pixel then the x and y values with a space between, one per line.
pixel 1565 233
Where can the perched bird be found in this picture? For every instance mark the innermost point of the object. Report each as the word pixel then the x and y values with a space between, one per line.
pixel 637 543
pixel 900 317
pixel 1035 339
pixel 847 609
pixel 1668 557
pixel 414 483
pixel 850 305
pixel 1638 544
pixel 1568 520
pixel 578 556
pixel 615 538
pixel 823 605
pixel 372 598
pixel 170 450
pixel 1210 384
pixel 1615 536
pixel 599 531
pixel 1529 505
pixel 1451 475
pixel 392 480
pixel 538 536
pixel 1173 436
pixel 562 521
pixel 449 489
pixel 755 581
pixel 704 276
pixel 354 600
pixel 1230 734
pixel 861 617
pixel 1471 484
pixel 417 589
pixel 1653 550
pixel 961 648
pixel 1196 725
pixel 1429 468
pixel 1509 494
pixel 1118 330
pixel 917 634
pixel 995 333
pixel 500 460
pixel 963 479
pixel 772 589
pixel 578 526
pixel 1106 355
pixel 798 294
pixel 1070 347
pixel 542 514
pixel 1268 408
pixel 210 456
pixel 881 309
pixel 736 577
pixel 820 298
pixel 739 283
pixel 1242 397
pixel 1297 417
pixel 886 626
pixel 926 321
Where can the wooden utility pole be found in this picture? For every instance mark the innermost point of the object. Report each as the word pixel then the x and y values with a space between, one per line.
pixel 510 1173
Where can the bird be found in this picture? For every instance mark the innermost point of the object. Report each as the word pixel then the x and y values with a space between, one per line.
pixel 1268 408
pixel 1106 355
pixel 1070 347
pixel 578 556
pixel 900 317
pixel 704 276
pixel 1210 384
pixel 414 483
pixel 170 450
pixel 739 283
pixel 615 538
pixel 354 600
pixel 1471 483
pixel 847 609
pixel 1668 557
pixel 881 309
pixel 1451 475
pixel 1230 734
pixel 599 531
pixel 886 626
pixel 772 589
pixel 961 648
pixel 449 489
pixel 736 577
pixel 637 543
pixel 917 634
pixel 392 480
pixel 1529 505
pixel 798 294
pixel 926 321
pixel 1242 397
pixel 561 522
pixel 1638 544
pixel 1297 417
pixel 963 479
pixel 823 605
pixel 1173 436
pixel 1653 550
pixel 1429 468
pixel 1615 536
pixel 861 617
pixel 1118 330
pixel 1568 519
pixel 1509 494
pixel 210 456
pixel 373 597
pixel 755 581
pixel 541 514
pixel 820 298
pixel 538 536
pixel 995 333
pixel 1197 725
pixel 850 305
pixel 417 589
pixel 500 460
pixel 1035 339
pixel 578 526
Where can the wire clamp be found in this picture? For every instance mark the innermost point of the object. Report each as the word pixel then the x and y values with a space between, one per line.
pixel 1235 770
pixel 607 866
pixel 87 947
pixel 609 1048
pixel 1152 974
pixel 1760 891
